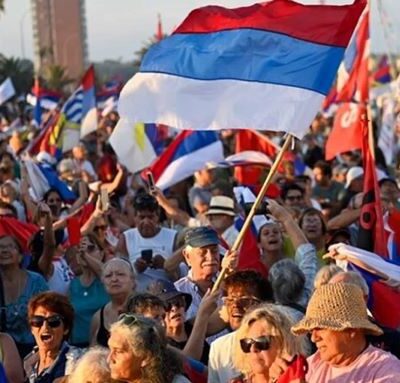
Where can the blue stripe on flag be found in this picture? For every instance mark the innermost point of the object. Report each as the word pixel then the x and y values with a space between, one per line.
pixel 194 141
pixel 273 58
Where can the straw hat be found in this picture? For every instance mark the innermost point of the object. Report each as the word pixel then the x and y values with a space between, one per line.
pixel 221 205
pixel 337 307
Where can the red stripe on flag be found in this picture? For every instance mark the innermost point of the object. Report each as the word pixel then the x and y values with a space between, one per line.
pixel 329 25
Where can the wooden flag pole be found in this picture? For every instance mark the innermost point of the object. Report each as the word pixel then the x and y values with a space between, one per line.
pixel 255 206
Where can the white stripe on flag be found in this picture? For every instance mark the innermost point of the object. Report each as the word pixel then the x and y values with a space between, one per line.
pixel 219 104
pixel 188 164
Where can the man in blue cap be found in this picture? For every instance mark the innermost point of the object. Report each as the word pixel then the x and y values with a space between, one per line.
pixel 202 254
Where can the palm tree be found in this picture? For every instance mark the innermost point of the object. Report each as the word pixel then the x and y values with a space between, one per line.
pixel 56 78
pixel 20 71
pixel 1 6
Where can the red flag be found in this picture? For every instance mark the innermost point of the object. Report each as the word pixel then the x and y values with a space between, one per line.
pixel 353 75
pixel 159 34
pixel 371 235
pixel 252 140
pixel 74 231
pixel 21 231
pixel 346 134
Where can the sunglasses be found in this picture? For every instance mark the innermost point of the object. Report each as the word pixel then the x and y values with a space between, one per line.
pixel 241 301
pixel 100 227
pixel 261 343
pixel 177 302
pixel 132 320
pixel 53 321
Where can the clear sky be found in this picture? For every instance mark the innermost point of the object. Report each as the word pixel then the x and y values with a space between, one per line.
pixel 118 28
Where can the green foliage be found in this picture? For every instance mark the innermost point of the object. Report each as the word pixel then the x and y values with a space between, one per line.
pixel 56 78
pixel 20 71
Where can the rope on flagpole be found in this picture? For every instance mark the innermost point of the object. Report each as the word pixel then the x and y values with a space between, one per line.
pixel 255 206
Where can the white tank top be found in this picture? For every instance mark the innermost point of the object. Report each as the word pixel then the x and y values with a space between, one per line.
pixel 162 244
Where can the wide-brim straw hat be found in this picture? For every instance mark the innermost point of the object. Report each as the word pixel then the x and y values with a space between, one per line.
pixel 336 307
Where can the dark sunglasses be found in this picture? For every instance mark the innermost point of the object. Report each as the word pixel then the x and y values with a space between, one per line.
pixel 261 343
pixel 100 227
pixel 177 302
pixel 53 321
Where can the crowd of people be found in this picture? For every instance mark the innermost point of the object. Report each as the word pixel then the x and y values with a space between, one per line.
pixel 122 290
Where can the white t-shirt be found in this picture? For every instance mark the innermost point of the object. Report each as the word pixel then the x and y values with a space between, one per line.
pixel 162 244
pixel 220 360
pixel 61 278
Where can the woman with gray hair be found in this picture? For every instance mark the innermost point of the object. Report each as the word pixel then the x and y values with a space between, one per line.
pixel 139 353
pixel 288 285
pixel 92 367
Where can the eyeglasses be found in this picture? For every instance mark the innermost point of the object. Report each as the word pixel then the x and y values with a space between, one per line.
pixel 53 321
pixel 100 227
pixel 177 302
pixel 7 247
pixel 241 301
pixel 261 343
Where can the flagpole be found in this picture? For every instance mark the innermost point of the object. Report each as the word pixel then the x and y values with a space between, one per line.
pixel 255 206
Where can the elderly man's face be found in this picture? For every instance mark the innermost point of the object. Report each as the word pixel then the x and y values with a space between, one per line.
pixel 204 261
pixel 333 346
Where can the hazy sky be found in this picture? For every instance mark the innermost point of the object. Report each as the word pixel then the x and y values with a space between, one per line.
pixel 117 28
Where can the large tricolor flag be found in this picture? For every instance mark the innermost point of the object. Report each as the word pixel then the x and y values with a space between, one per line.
pixel 189 152
pixel 267 66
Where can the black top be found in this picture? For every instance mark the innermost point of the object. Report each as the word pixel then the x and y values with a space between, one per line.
pixel 181 345
pixel 103 334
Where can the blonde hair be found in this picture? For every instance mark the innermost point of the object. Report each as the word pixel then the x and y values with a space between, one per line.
pixel 280 324
pixel 325 274
pixel 92 367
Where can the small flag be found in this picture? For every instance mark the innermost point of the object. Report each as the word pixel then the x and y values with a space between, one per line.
pixel 132 145
pixel 6 90
pixel 348 123
pixel 189 152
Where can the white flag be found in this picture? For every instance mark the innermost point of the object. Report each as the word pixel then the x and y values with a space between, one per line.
pixel 6 90
pixel 89 122
pixel 132 146
pixel 386 139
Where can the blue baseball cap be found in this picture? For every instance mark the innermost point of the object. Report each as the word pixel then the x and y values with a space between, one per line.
pixel 201 236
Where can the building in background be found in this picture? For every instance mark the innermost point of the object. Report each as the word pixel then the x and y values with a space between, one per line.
pixel 59 32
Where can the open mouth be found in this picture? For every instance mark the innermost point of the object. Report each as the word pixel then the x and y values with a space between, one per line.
pixel 46 338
